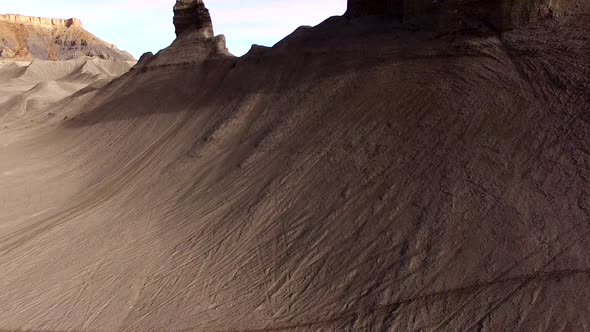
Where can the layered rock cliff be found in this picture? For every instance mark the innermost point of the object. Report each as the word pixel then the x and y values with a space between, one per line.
pixel 41 21
pixel 28 38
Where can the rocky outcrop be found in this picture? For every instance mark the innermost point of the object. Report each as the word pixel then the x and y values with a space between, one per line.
pixel 28 38
pixel 41 21
pixel 195 42
pixel 499 14
pixel 192 15
pixel 358 8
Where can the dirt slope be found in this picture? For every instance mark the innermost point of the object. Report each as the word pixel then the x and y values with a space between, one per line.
pixel 358 176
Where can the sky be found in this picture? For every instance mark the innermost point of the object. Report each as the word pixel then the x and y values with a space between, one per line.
pixel 139 26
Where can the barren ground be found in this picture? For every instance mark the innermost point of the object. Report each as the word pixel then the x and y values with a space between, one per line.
pixel 357 176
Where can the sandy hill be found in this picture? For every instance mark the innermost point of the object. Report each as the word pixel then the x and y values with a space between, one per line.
pixel 27 38
pixel 30 89
pixel 366 174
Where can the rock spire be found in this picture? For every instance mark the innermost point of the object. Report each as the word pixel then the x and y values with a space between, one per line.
pixel 192 15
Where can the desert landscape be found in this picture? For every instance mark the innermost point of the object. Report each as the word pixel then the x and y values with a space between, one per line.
pixel 407 166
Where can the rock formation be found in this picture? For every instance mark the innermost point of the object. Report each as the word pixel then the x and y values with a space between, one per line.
pixel 358 8
pixel 195 40
pixel 28 38
pixel 192 14
pixel 41 21
pixel 499 14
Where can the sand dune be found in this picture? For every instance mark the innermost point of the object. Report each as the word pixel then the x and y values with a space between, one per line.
pixel 12 69
pixel 358 176
pixel 30 90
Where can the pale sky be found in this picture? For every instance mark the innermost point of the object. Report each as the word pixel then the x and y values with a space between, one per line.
pixel 138 26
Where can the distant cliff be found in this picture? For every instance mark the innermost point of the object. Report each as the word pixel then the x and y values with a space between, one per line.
pixel 41 21
pixel 28 37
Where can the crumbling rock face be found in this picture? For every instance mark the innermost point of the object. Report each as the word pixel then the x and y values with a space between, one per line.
pixel 192 14
pixel 499 14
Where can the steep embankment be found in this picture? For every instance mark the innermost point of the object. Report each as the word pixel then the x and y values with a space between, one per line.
pixel 28 38
pixel 359 175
